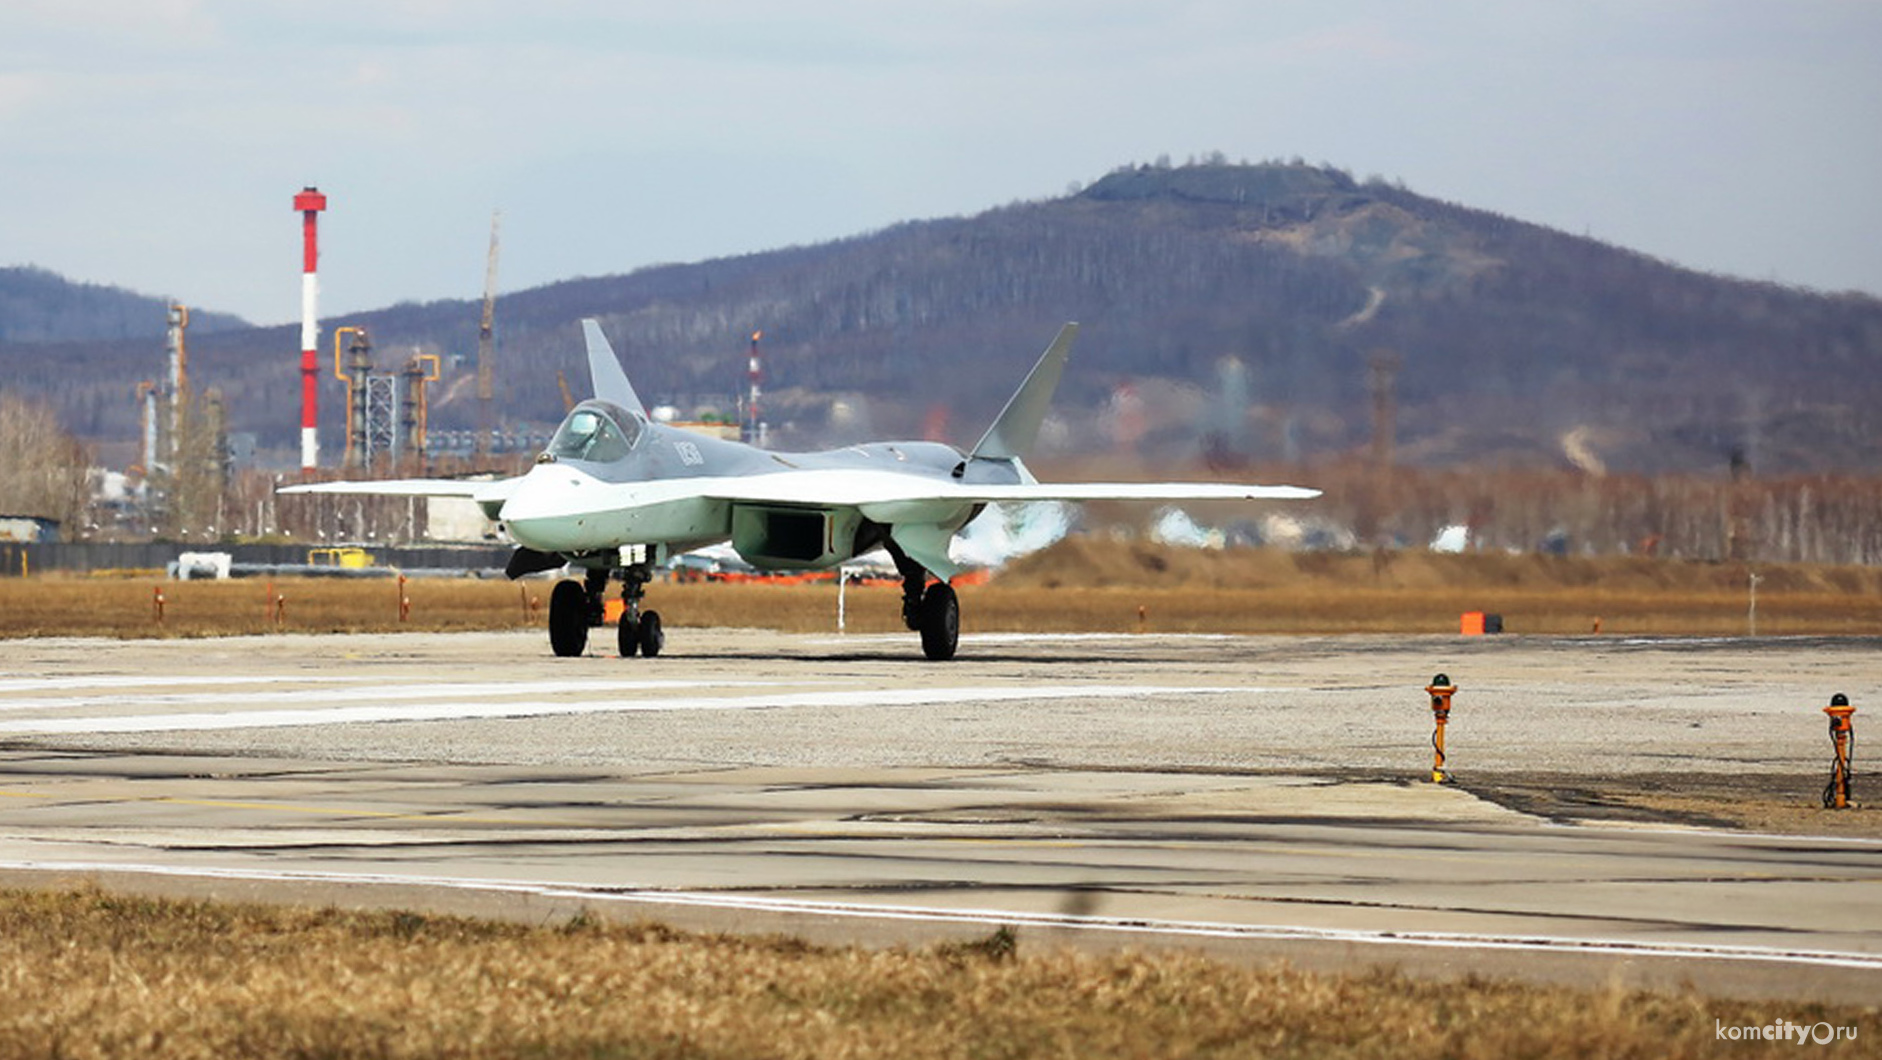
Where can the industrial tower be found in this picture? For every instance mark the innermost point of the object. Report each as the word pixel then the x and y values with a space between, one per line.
pixel 310 203
pixel 486 348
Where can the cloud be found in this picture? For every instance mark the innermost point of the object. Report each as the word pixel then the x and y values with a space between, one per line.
pixel 1670 127
pixel 19 93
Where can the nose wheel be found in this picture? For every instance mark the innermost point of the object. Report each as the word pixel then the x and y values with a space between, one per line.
pixel 640 631
pixel 642 635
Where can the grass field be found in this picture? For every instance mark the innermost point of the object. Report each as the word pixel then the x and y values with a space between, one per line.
pixel 88 974
pixel 1079 585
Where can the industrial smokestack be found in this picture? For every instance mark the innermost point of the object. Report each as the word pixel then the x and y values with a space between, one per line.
pixel 178 384
pixel 755 375
pixel 310 203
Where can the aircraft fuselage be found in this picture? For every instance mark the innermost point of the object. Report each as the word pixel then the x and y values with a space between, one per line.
pixel 654 487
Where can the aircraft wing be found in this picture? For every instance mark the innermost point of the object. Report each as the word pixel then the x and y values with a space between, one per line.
pixel 393 487
pixel 923 512
pixel 488 493
pixel 890 497
pixel 1143 491
pixel 882 495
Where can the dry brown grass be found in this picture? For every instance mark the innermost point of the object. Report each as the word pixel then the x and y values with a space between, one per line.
pixel 108 607
pixel 1080 585
pixel 88 974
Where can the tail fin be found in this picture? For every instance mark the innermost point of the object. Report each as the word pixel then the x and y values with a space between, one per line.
pixel 1013 434
pixel 604 370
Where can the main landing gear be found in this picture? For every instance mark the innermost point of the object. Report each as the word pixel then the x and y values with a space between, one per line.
pixel 575 607
pixel 934 611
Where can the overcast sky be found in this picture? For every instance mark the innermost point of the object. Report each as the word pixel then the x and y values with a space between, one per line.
pixel 158 144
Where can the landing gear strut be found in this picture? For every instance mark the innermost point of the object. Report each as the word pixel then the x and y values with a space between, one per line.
pixel 640 630
pixel 576 607
pixel 932 610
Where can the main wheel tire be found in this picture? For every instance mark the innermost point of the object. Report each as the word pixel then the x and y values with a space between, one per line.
pixel 940 622
pixel 628 636
pixel 568 618
pixel 652 637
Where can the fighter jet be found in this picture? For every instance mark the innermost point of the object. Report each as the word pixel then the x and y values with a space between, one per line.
pixel 616 494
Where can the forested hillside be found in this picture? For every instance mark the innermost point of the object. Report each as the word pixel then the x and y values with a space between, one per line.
pixel 1245 310
pixel 38 306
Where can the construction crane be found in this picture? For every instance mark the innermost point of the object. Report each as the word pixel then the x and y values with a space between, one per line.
pixel 486 346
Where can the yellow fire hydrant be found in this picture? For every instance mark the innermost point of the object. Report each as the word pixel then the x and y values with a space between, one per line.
pixel 1843 738
pixel 1440 690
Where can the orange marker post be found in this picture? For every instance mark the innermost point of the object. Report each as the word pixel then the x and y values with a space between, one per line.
pixel 1440 690
pixel 1843 738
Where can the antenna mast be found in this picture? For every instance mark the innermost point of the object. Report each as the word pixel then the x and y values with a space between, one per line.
pixel 486 345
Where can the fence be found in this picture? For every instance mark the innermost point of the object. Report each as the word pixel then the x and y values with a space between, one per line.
pixel 87 557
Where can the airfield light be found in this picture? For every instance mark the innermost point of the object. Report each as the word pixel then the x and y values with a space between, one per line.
pixel 1440 690
pixel 1843 738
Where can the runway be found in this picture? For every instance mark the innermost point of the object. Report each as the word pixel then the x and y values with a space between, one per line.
pixel 1252 797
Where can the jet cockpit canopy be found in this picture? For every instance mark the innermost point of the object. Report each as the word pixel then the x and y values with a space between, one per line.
pixel 596 431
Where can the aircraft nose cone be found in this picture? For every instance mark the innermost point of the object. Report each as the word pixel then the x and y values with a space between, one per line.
pixel 546 512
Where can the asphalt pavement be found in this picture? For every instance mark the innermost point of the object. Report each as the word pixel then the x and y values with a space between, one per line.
pixel 1254 797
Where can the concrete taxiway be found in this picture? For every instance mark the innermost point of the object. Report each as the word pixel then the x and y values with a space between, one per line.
pixel 1253 797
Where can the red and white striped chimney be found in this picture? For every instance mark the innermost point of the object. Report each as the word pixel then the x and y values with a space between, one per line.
pixel 310 202
pixel 755 375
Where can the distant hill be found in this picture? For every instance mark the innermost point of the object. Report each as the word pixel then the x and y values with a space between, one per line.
pixel 1234 309
pixel 38 306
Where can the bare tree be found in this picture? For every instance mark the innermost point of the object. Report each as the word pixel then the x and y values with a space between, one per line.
pixel 43 470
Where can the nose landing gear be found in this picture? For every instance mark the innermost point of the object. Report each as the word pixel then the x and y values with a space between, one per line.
pixel 640 630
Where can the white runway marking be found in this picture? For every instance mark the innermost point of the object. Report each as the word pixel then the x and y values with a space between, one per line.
pixel 1016 638
pixel 377 693
pixel 495 708
pixel 1592 946
pixel 11 684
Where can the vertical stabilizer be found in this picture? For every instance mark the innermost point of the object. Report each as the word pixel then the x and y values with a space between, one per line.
pixel 1012 435
pixel 604 370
